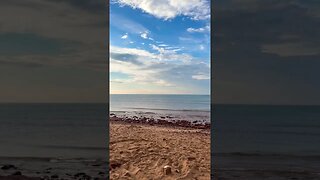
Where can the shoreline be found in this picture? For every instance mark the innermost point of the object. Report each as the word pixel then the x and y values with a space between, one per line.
pixel 49 168
pixel 161 121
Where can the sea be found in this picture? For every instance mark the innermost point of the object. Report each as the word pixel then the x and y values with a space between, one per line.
pixel 53 130
pixel 266 137
pixel 178 107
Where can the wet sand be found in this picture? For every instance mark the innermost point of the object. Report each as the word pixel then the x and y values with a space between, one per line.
pixel 141 151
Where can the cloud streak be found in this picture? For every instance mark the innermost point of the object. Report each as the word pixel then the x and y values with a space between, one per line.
pixel 199 30
pixel 164 68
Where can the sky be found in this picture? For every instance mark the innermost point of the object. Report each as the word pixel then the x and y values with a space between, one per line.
pixel 159 47
pixel 266 52
pixel 53 51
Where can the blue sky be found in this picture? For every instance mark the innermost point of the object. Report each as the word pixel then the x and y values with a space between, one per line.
pixel 160 47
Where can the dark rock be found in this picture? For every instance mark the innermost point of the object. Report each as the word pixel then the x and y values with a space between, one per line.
pixel 101 173
pixel 45 178
pixel 17 173
pixel 55 176
pixel 8 166
pixel 82 176
pixel 96 165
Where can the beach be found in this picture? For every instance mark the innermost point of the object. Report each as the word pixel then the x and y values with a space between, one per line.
pixel 158 151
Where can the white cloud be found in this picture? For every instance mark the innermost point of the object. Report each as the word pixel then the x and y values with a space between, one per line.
pixel 144 35
pixel 163 68
pixel 201 77
pixel 124 36
pixel 199 30
pixel 163 45
pixel 169 9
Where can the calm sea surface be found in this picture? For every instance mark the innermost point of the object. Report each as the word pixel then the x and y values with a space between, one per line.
pixel 184 107
pixel 53 130
pixel 288 130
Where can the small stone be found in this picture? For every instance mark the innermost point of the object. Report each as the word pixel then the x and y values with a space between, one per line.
pixel 191 158
pixel 167 170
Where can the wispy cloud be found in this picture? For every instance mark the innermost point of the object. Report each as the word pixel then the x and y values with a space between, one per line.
pixel 124 36
pixel 144 35
pixel 165 68
pixel 201 76
pixel 199 30
pixel 169 9
pixel 126 24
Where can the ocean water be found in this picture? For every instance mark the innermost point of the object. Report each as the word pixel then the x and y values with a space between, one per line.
pixel 180 107
pixel 290 130
pixel 53 130
pixel 268 139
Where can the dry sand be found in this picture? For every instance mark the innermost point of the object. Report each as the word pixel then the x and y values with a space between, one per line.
pixel 140 151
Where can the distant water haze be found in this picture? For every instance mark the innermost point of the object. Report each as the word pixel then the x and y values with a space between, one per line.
pixel 183 107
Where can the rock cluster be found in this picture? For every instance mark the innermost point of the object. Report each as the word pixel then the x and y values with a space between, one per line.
pixel 152 121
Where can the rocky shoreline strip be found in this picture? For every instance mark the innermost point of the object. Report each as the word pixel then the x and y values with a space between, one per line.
pixel 162 120
pixel 24 172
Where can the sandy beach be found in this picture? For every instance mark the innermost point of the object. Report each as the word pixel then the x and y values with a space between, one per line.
pixel 141 151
